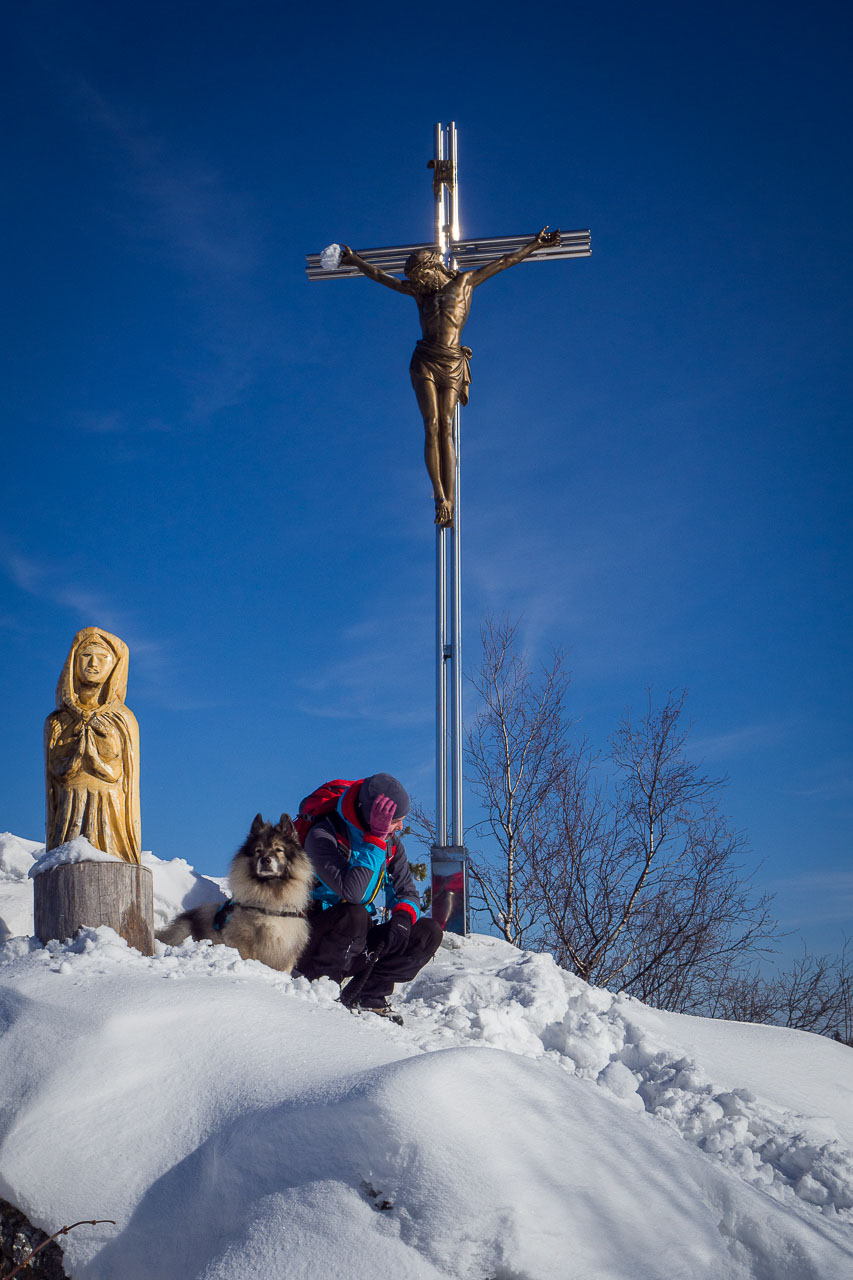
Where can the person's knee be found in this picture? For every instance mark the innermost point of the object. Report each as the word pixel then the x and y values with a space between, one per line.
pixel 354 919
pixel 427 934
pixel 337 939
pixel 344 920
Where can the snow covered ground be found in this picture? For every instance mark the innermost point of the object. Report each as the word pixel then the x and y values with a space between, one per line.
pixel 520 1126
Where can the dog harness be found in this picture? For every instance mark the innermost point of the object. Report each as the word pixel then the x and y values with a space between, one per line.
pixel 221 917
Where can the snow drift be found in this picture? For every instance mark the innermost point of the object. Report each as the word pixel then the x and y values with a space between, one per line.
pixel 521 1126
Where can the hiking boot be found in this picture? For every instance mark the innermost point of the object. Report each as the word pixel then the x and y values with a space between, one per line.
pixel 378 1005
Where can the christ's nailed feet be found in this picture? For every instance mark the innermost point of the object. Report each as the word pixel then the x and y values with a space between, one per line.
pixel 444 512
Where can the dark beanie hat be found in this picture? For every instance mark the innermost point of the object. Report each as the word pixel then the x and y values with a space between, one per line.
pixel 382 784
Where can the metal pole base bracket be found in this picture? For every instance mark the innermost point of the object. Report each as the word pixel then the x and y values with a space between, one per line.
pixel 450 888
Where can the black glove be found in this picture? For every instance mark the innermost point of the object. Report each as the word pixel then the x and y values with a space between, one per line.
pixel 395 934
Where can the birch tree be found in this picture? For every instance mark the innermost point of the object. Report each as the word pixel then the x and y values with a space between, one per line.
pixel 620 862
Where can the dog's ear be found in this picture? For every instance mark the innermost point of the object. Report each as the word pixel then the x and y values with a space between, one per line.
pixel 285 825
pixel 257 825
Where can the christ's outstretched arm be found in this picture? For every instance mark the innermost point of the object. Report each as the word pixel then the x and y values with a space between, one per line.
pixel 349 258
pixel 540 241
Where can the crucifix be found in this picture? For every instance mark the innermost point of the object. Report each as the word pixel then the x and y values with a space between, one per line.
pixel 441 277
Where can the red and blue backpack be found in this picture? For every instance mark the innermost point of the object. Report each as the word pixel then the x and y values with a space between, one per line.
pixel 323 803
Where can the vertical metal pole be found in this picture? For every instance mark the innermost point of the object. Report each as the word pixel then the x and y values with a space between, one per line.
pixel 441 688
pixel 457 826
pixel 449 856
pixel 441 219
pixel 457 829
pixel 440 576
pixel 455 233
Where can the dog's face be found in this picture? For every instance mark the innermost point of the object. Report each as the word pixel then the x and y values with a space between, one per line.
pixel 270 849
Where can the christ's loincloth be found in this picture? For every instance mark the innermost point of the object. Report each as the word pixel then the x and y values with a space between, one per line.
pixel 446 366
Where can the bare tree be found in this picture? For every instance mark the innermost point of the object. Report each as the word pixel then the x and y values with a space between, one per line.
pixel 621 865
pixel 814 994
pixel 642 883
pixel 516 754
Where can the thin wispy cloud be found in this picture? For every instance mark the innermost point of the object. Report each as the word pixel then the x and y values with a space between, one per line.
pixel 116 423
pixel 180 202
pixel 185 211
pixel 742 740
pixel 364 686
pixel 55 582
pixel 582 582
pixel 815 898
pixel 24 572
pixel 50 580
pixel 819 881
pixel 368 680
pixel 520 580
pixel 831 781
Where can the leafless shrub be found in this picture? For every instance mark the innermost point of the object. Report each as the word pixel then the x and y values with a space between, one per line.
pixel 516 755
pixel 815 994
pixel 621 864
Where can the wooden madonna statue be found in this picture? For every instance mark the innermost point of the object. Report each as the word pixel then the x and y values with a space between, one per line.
pixel 91 745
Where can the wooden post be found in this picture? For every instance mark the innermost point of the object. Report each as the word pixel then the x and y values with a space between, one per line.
pixel 74 894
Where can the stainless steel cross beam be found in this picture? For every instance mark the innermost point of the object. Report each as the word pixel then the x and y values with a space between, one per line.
pixel 466 254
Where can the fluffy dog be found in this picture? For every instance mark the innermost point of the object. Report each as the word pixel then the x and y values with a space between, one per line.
pixel 270 881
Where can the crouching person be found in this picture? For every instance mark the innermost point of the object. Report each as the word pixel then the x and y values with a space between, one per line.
pixel 351 834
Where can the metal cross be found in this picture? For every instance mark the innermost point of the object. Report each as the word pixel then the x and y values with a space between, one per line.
pixel 449 855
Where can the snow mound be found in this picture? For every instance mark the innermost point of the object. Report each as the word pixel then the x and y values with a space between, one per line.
pixel 178 887
pixel 17 856
pixel 16 895
pixel 521 1126
pixel 525 1004
pixel 238 1123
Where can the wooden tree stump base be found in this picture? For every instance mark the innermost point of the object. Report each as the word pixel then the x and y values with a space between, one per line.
pixel 75 894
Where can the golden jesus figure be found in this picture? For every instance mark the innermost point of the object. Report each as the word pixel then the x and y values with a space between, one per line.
pixel 439 370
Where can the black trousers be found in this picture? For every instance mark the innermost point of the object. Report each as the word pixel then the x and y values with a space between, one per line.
pixel 341 936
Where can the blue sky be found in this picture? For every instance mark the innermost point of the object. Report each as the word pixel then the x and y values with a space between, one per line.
pixel 223 464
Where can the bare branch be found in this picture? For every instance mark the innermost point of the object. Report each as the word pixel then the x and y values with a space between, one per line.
pixel 622 866
pixel 63 1231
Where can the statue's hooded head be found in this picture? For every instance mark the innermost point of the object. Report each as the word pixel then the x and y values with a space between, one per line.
pixel 96 659
pixel 426 272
